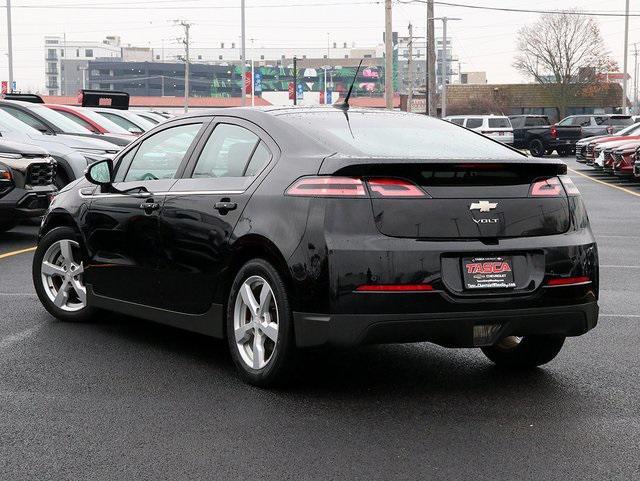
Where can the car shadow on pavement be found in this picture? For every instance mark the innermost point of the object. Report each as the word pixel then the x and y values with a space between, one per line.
pixel 408 372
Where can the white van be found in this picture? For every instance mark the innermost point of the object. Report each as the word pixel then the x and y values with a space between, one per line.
pixel 495 127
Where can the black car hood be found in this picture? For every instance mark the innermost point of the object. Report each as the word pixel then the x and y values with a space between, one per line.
pixel 10 147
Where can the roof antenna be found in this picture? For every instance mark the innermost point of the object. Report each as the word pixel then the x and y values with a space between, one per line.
pixel 345 105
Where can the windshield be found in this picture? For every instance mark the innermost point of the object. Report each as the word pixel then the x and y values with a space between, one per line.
pixel 65 124
pixel 112 127
pixel 8 123
pixel 396 135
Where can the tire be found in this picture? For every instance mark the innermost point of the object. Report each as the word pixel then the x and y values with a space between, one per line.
pixel 526 352
pixel 61 249
pixel 563 152
pixel 8 225
pixel 536 148
pixel 270 364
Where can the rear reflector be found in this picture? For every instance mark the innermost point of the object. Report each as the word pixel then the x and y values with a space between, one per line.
pixel 568 281
pixel 395 288
pixel 327 187
pixel 394 188
pixel 550 187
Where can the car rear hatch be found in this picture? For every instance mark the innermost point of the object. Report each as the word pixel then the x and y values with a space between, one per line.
pixel 463 200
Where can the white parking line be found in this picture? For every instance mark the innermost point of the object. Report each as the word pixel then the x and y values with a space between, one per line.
pixel 608 266
pixel 8 341
pixel 18 294
pixel 620 315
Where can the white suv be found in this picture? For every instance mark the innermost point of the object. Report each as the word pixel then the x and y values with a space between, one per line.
pixel 493 126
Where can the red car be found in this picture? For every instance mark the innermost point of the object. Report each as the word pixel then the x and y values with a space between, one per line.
pixel 95 123
pixel 624 158
pixel 606 142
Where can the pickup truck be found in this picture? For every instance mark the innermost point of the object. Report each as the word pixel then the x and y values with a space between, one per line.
pixel 535 133
pixel 592 125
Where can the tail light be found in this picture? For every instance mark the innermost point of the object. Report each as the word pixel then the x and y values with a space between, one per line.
pixel 568 281
pixel 569 186
pixel 554 132
pixel 395 288
pixel 550 187
pixel 327 187
pixel 394 188
pixel 353 187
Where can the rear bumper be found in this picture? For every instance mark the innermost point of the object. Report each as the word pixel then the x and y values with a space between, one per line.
pixel 451 329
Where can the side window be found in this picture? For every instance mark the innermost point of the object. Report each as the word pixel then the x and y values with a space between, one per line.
pixel 474 123
pixel 159 156
pixel 226 153
pixel 582 121
pixel 123 164
pixel 260 158
pixel 457 121
pixel 26 118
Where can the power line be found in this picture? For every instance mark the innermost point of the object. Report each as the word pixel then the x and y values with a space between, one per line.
pixel 524 10
pixel 194 7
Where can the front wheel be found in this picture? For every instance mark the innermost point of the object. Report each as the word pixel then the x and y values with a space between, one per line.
pixel 58 271
pixel 524 352
pixel 260 324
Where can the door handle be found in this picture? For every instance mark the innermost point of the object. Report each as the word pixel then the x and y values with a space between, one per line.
pixel 150 206
pixel 225 206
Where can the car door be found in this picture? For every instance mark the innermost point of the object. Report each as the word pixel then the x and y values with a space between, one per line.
pixel 202 208
pixel 127 256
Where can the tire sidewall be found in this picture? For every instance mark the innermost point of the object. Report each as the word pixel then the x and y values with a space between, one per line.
pixel 55 235
pixel 537 152
pixel 279 365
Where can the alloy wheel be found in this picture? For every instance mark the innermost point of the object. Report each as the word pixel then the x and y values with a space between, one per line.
pixel 509 343
pixel 61 273
pixel 255 322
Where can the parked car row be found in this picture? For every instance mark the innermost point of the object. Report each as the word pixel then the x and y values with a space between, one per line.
pixel 538 135
pixel 615 154
pixel 44 147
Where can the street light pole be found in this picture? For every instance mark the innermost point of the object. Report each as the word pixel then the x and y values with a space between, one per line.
pixel 388 65
pixel 626 49
pixel 430 84
pixel 410 70
pixel 445 64
pixel 9 46
pixel 243 54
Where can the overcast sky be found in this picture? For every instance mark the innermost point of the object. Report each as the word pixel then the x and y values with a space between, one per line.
pixel 482 40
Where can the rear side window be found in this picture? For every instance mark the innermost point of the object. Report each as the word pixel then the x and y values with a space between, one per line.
pixel 77 120
pixel 620 121
pixel 536 121
pixel 474 123
pixel 457 121
pixel 499 123
pixel 582 121
pixel 227 153
pixel 121 121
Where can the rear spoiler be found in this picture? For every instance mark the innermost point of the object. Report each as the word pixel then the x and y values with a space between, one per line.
pixel 339 163
pixel 111 99
pixel 33 98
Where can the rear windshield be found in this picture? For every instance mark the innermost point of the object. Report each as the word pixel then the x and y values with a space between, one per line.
pixel 397 135
pixel 499 123
pixel 621 121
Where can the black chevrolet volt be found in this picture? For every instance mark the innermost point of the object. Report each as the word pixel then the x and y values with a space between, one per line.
pixel 285 228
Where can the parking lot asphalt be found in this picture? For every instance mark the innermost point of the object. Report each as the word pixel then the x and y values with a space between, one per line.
pixel 124 399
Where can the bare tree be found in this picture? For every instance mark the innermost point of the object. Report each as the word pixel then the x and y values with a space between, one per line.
pixel 564 50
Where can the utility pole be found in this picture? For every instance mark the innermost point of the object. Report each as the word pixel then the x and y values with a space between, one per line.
pixel 186 25
pixel 445 64
pixel 295 80
pixel 410 70
pixel 635 79
pixel 430 84
pixel 243 53
pixel 626 49
pixel 388 61
pixel 9 46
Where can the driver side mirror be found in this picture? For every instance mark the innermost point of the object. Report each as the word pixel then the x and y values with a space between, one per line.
pixel 100 173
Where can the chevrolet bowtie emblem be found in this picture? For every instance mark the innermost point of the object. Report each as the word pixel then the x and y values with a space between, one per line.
pixel 483 206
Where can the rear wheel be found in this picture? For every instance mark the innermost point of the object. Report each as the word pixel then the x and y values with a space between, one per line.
pixel 58 271
pixel 524 352
pixel 259 324
pixel 536 147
